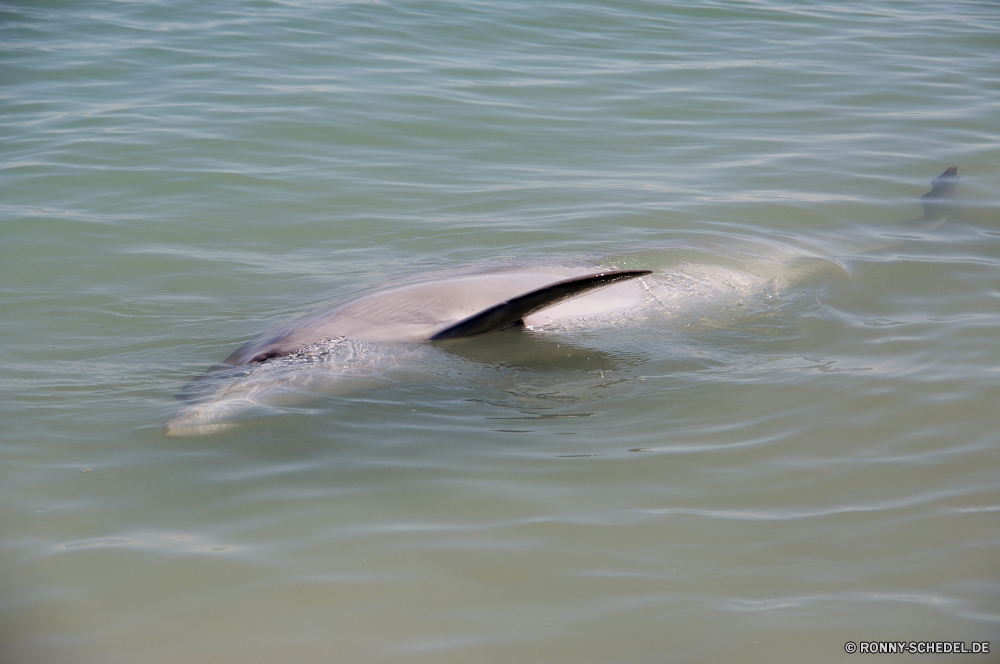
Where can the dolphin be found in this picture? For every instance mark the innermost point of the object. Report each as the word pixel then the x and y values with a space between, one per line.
pixel 357 343
pixel 369 334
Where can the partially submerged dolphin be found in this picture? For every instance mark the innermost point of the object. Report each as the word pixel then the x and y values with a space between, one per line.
pixel 366 336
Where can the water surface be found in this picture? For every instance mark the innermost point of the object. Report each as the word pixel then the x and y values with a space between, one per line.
pixel 757 478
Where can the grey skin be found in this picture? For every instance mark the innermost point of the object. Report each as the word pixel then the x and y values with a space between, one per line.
pixel 437 311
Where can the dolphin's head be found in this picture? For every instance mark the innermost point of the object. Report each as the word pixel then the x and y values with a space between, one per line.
pixel 224 395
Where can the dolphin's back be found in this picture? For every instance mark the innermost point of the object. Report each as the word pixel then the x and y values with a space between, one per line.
pixel 422 312
pixel 416 313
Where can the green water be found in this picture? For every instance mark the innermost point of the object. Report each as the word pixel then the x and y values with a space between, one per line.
pixel 758 477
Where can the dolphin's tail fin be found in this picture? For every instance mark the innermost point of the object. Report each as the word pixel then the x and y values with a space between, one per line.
pixel 513 311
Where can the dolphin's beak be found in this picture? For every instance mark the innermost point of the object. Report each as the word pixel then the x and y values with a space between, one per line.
pixel 194 422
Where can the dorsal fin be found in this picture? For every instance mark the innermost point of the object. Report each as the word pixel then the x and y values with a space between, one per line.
pixel 509 313
pixel 943 186
pixel 940 198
